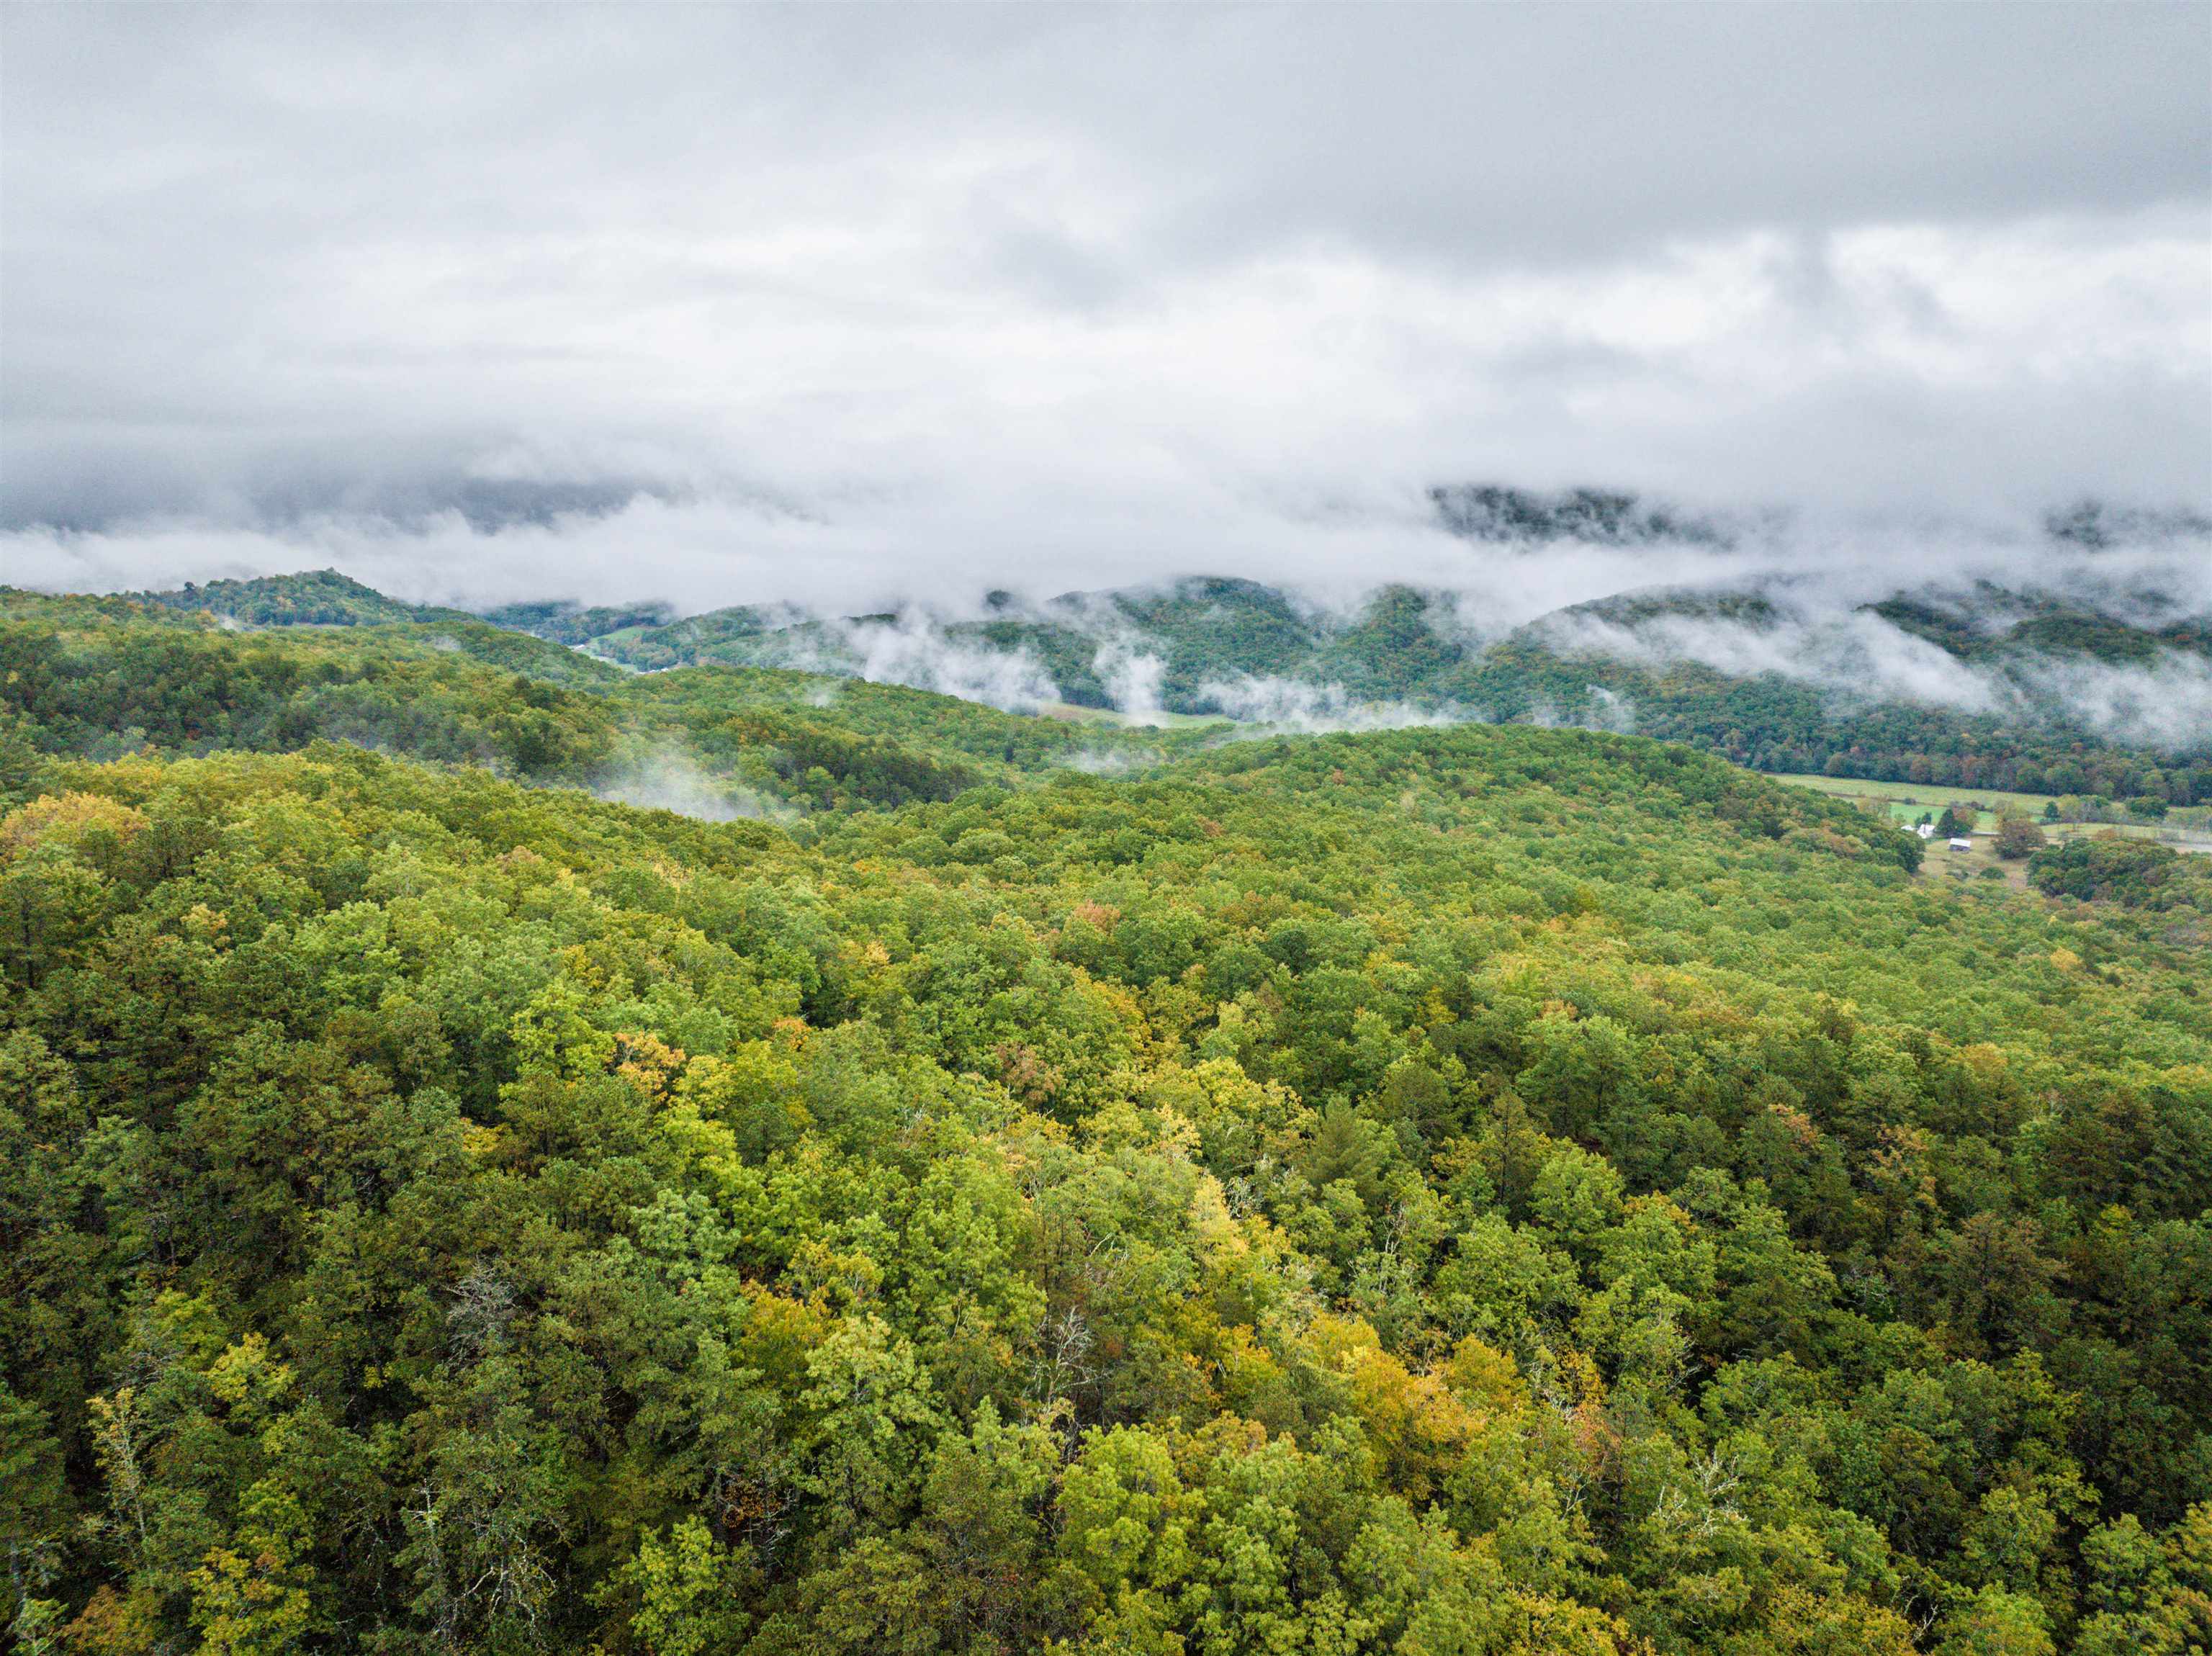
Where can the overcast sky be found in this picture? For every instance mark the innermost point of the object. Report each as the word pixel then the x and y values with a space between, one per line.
pixel 843 303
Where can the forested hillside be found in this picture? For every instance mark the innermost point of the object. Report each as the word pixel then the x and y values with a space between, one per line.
pixel 1482 1190
pixel 2036 690
pixel 101 678
pixel 319 597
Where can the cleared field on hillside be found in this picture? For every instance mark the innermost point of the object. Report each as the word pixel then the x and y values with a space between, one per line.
pixel 1906 802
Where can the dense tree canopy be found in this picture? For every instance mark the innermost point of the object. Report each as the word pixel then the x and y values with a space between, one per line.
pixel 1464 1191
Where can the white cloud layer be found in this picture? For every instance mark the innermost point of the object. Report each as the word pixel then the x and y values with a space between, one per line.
pixel 1285 704
pixel 845 306
pixel 672 779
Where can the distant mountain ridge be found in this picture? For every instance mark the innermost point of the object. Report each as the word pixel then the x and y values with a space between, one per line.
pixel 1400 641
pixel 1502 515
pixel 2042 688
pixel 2103 687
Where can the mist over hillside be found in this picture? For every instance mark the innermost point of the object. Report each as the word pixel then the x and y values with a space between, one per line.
pixel 2096 627
pixel 2075 653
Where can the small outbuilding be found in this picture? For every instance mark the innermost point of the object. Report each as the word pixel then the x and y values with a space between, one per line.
pixel 1960 842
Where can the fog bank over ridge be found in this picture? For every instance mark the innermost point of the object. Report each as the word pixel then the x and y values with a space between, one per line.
pixel 699 556
pixel 2096 618
pixel 1603 576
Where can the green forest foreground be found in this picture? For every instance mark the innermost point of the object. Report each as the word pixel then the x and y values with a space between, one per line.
pixel 1474 1190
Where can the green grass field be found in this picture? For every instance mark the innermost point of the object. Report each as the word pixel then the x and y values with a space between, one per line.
pixel 1907 801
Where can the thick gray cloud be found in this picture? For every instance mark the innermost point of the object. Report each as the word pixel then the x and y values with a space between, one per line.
pixel 731 303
